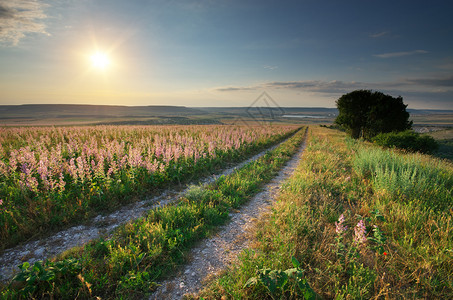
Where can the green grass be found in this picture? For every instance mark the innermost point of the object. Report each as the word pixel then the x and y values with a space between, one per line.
pixel 445 149
pixel 445 140
pixel 150 248
pixel 404 202
pixel 61 199
pixel 411 177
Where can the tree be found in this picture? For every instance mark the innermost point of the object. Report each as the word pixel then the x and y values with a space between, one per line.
pixel 364 113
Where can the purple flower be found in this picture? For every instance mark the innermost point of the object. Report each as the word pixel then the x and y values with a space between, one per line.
pixel 340 228
pixel 360 232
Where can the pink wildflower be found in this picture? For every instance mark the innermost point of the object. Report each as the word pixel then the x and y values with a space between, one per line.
pixel 340 228
pixel 360 232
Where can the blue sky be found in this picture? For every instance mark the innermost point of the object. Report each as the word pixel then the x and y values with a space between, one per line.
pixel 225 53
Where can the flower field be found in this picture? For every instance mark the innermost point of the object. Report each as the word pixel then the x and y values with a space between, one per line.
pixel 51 177
pixel 129 263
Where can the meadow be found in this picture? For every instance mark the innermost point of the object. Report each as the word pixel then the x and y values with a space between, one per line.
pixel 354 222
pixel 128 264
pixel 58 176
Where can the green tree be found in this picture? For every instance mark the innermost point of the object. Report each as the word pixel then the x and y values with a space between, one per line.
pixel 364 113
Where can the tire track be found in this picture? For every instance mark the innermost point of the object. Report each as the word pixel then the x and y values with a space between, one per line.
pixel 101 225
pixel 214 254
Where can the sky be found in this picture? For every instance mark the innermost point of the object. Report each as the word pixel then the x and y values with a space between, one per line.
pixel 194 53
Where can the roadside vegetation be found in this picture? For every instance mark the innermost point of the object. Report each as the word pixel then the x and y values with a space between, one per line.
pixel 407 140
pixel 128 264
pixel 355 221
pixel 53 177
pixel 445 140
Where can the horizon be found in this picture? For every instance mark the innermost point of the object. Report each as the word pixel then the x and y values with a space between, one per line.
pixel 199 53
pixel 195 107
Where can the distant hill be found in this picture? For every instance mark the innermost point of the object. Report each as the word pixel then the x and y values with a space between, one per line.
pixel 429 112
pixel 93 111
pixel 276 110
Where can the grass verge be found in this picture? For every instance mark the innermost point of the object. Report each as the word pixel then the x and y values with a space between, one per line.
pixel 363 223
pixel 143 251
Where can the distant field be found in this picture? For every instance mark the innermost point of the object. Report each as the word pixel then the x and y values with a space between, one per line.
pixel 434 119
pixel 59 115
pixel 445 134
pixel 445 140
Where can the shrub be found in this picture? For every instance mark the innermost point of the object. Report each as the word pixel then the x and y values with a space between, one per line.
pixel 407 140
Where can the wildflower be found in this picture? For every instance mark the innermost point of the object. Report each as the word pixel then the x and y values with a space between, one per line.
pixel 340 228
pixel 385 253
pixel 1 201
pixel 360 232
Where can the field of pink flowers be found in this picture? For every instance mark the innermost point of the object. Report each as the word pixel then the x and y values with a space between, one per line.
pixel 54 176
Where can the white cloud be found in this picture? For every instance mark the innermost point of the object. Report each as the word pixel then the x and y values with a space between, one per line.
pixel 270 67
pixel 399 54
pixel 19 18
pixel 379 34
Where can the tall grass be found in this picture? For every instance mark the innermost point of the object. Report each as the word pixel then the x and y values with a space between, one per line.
pixel 357 227
pixel 413 177
pixel 141 252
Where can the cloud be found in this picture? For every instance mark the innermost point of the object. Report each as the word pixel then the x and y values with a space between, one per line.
pixel 19 18
pixel 379 34
pixel 432 82
pixel 398 87
pixel 270 67
pixel 235 89
pixel 399 54
pixel 319 86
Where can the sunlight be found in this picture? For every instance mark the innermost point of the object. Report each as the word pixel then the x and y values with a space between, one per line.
pixel 100 60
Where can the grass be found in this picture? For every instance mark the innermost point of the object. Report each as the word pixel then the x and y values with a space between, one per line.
pixel 445 149
pixel 363 223
pixel 148 249
pixel 445 140
pixel 57 177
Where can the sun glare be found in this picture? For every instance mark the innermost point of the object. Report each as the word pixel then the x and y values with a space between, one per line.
pixel 100 60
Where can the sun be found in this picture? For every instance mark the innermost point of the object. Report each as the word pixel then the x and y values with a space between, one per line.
pixel 100 60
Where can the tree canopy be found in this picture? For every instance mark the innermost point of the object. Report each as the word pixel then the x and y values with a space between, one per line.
pixel 364 113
